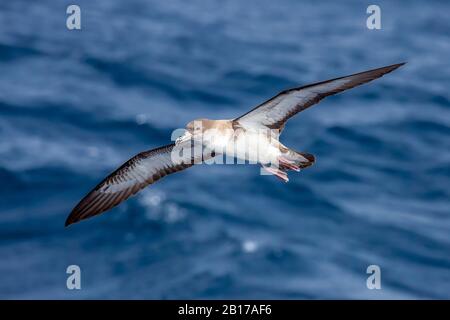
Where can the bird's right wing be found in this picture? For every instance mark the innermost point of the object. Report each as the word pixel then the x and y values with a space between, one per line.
pixel 276 111
pixel 140 171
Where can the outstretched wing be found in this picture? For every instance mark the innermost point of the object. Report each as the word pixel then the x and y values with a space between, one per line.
pixel 276 111
pixel 140 171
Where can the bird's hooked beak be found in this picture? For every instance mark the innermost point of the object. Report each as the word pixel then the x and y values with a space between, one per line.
pixel 185 137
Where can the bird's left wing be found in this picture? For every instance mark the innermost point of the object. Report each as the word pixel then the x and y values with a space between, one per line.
pixel 276 111
pixel 140 171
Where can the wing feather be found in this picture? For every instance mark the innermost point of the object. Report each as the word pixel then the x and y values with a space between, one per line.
pixel 140 171
pixel 276 111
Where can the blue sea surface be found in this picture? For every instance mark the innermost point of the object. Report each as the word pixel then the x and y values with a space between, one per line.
pixel 74 105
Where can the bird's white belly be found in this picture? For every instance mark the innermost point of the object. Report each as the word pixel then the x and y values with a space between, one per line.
pixel 249 147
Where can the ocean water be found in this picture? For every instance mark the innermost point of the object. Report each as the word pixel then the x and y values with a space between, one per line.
pixel 76 104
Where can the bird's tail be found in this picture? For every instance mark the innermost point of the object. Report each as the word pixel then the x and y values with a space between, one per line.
pixel 293 160
pixel 290 160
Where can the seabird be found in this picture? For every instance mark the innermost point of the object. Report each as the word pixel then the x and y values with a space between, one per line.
pixel 252 137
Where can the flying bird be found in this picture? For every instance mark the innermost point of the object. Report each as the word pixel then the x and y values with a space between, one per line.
pixel 252 137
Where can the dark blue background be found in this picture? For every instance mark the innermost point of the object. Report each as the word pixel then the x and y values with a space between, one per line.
pixel 76 104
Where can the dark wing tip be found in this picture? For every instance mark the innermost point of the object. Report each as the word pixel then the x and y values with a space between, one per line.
pixel 92 204
pixel 69 220
pixel 394 66
pixel 96 203
pixel 398 64
pixel 375 73
pixel 75 215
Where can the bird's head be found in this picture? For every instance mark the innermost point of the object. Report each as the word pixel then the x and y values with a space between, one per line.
pixel 197 126
pixel 194 129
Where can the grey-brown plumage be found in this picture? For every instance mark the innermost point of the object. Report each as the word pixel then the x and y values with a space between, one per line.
pixel 126 181
pixel 276 111
pixel 149 166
